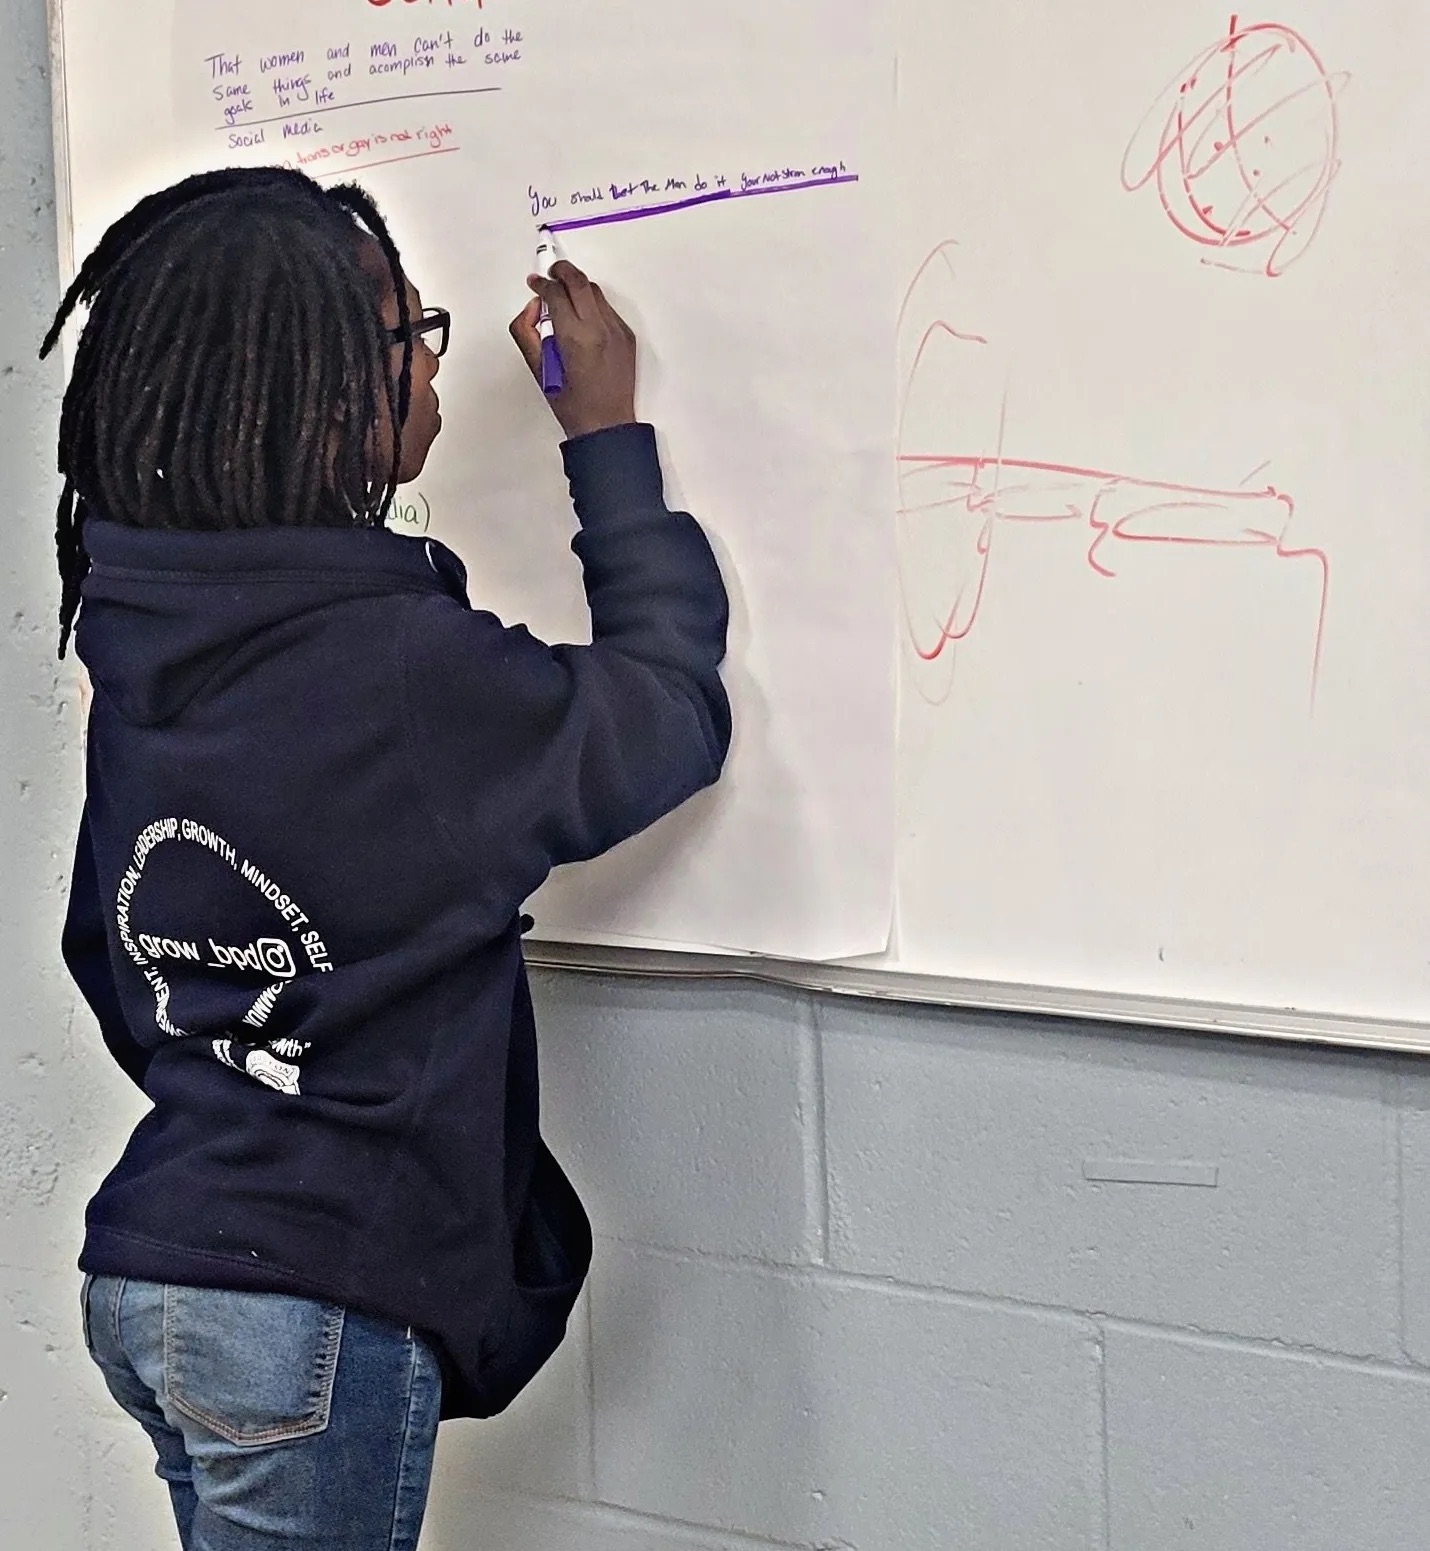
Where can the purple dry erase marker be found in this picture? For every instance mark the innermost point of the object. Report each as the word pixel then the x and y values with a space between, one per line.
pixel 553 373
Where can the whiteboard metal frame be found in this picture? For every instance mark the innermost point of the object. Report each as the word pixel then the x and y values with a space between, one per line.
pixel 1284 1024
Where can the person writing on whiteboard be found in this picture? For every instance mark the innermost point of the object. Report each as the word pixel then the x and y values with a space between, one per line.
pixel 319 788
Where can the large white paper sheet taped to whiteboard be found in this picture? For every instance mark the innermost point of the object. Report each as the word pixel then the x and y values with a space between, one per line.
pixel 719 169
pixel 1163 486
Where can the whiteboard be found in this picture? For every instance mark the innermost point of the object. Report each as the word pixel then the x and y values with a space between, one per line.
pixel 1086 473
pixel 1163 481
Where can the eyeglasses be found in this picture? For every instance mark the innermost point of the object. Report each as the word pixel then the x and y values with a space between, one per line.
pixel 434 320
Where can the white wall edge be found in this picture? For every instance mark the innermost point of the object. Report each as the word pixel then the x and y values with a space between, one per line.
pixel 59 98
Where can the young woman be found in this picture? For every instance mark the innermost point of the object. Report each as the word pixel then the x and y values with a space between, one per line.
pixel 320 786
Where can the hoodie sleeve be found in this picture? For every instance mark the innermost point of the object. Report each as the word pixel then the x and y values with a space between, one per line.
pixel 533 755
pixel 85 949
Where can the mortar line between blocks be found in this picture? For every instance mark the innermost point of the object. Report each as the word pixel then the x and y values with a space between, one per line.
pixel 815 1140
pixel 702 1537
pixel 1402 1331
pixel 858 1281
pixel 1105 1452
pixel 589 1484
pixel 1213 1340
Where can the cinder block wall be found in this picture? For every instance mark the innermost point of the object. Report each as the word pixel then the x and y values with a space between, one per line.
pixel 911 1279
pixel 866 1277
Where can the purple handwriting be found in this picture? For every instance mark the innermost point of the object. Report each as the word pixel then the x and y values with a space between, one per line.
pixel 641 198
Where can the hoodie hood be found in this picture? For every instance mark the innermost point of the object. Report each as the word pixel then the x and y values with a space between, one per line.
pixel 165 610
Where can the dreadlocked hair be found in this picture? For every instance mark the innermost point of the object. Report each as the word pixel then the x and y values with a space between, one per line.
pixel 233 367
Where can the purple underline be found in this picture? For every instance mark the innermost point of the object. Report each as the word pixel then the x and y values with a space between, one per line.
pixel 612 216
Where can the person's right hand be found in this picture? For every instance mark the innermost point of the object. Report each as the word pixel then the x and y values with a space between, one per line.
pixel 598 350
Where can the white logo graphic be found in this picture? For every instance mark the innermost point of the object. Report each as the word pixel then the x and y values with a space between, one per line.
pixel 274 958
pixel 268 956
pixel 260 1064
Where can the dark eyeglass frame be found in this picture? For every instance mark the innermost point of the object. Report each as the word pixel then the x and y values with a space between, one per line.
pixel 433 320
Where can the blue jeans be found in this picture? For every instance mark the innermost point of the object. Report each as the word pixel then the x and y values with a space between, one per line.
pixel 278 1422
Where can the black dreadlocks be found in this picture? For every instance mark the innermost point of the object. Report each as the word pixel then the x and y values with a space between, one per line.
pixel 233 366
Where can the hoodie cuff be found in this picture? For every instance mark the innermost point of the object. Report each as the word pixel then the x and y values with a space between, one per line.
pixel 614 473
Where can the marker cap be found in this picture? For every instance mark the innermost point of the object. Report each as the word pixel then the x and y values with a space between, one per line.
pixel 553 373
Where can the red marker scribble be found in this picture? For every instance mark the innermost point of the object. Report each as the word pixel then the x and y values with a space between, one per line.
pixel 965 498
pixel 1243 147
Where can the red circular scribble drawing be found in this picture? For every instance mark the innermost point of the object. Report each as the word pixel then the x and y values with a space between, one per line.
pixel 1243 148
pixel 961 484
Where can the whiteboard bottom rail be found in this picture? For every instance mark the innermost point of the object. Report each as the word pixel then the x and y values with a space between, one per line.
pixel 1274 1023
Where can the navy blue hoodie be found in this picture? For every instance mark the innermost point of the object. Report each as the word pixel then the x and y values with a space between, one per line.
pixel 320 787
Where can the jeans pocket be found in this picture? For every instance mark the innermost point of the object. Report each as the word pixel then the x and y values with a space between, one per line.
pixel 255 1368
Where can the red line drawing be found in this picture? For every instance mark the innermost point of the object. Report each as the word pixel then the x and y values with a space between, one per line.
pixel 953 504
pixel 1243 147
pixel 414 156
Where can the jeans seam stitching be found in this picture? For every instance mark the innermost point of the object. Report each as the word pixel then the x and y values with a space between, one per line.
pixel 85 1323
pixel 398 1493
pixel 289 1432
pixel 120 1284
